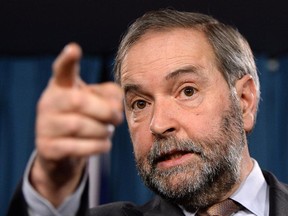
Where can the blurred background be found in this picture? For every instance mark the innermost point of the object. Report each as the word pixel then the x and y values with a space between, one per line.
pixel 33 32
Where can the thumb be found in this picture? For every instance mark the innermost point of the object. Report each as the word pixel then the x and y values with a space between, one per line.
pixel 66 66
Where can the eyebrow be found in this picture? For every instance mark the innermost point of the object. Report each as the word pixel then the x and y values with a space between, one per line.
pixel 185 70
pixel 131 87
pixel 173 75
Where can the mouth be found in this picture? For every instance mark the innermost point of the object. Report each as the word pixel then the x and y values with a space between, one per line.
pixel 173 158
pixel 171 155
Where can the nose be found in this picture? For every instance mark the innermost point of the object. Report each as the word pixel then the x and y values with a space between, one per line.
pixel 163 120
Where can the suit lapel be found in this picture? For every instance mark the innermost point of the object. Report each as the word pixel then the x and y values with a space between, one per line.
pixel 278 196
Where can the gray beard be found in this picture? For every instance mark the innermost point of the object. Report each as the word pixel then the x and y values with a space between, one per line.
pixel 213 172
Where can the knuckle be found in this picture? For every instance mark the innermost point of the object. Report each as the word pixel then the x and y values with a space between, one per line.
pixel 74 125
pixel 77 100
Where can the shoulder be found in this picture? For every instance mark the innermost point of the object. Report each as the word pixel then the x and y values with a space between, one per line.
pixel 155 206
pixel 274 183
pixel 115 208
pixel 123 208
pixel 278 195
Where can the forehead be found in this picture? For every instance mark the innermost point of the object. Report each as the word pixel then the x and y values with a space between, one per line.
pixel 166 51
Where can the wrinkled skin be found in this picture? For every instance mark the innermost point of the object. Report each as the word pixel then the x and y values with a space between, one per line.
pixel 187 126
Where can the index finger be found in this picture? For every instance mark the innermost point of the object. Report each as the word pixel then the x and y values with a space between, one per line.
pixel 66 66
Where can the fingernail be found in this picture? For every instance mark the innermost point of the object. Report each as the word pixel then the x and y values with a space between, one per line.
pixel 111 129
pixel 67 49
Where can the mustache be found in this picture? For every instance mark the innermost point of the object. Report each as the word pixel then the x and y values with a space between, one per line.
pixel 164 148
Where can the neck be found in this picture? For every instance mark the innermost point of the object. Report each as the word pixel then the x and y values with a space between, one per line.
pixel 246 168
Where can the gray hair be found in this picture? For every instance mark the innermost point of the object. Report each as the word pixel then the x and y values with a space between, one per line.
pixel 234 57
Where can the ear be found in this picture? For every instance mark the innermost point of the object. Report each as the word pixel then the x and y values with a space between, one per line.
pixel 246 91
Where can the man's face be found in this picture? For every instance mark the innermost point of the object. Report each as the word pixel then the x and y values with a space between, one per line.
pixel 185 124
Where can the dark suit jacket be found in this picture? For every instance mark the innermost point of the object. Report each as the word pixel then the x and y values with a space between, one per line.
pixel 158 206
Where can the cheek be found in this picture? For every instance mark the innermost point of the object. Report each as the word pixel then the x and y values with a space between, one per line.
pixel 201 124
pixel 141 138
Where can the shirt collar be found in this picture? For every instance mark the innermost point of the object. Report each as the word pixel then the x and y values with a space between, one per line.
pixel 253 193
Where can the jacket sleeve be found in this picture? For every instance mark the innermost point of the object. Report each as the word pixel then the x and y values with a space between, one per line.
pixel 18 205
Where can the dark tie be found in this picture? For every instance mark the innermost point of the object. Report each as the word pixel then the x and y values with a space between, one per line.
pixel 224 208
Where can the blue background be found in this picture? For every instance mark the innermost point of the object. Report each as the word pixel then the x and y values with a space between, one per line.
pixel 23 79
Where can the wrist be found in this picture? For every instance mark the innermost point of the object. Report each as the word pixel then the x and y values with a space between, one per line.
pixel 56 180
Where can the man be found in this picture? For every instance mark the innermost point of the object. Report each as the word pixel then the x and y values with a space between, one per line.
pixel 191 94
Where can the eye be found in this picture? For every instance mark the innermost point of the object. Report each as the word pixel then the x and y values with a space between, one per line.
pixel 139 104
pixel 189 91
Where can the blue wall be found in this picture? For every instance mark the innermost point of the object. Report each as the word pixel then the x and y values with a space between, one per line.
pixel 23 79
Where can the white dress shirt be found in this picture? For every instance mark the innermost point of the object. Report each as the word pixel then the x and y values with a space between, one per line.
pixel 253 194
pixel 39 206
